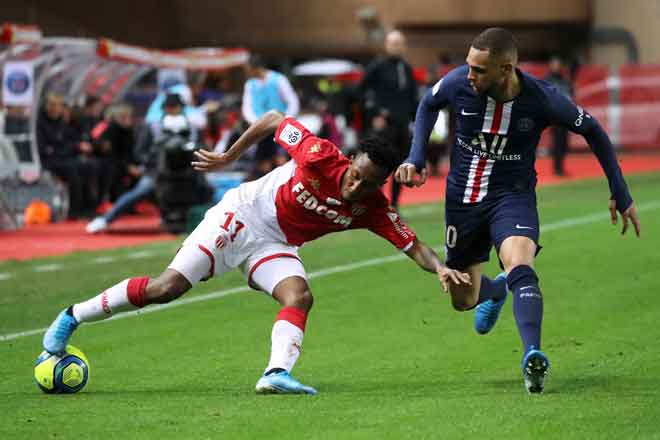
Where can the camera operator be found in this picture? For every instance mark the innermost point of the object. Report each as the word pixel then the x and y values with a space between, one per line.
pixel 149 153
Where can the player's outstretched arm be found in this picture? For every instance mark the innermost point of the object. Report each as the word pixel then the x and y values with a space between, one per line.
pixel 564 112
pixel 621 200
pixel 428 260
pixel 262 127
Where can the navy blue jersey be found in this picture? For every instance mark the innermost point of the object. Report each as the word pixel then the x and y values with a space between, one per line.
pixel 494 146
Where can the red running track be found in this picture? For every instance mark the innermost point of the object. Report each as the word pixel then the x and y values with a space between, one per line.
pixel 67 237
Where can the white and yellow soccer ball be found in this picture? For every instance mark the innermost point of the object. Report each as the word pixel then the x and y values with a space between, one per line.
pixel 64 373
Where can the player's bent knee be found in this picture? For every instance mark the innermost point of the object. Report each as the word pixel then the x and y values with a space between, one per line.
pixel 167 287
pixel 517 251
pixel 294 292
pixel 307 300
pixel 300 299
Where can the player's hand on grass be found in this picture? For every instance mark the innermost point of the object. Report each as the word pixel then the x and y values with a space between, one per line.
pixel 210 161
pixel 628 216
pixel 447 275
pixel 407 174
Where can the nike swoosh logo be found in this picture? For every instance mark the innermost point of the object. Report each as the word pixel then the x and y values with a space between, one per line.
pixel 523 227
pixel 464 113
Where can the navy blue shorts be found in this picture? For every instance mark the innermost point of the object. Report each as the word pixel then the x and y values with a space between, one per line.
pixel 471 230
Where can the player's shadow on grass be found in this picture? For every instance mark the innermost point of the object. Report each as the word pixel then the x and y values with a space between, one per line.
pixel 200 392
pixel 560 385
pixel 409 388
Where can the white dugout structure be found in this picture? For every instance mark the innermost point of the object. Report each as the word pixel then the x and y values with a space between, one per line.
pixel 33 65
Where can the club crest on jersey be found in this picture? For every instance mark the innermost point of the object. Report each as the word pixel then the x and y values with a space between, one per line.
pixel 316 148
pixel 400 228
pixel 393 216
pixel 290 135
pixel 525 124
pixel 220 242
pixel 357 209
pixel 315 184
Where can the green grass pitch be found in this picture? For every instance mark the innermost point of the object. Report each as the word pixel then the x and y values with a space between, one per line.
pixel 389 356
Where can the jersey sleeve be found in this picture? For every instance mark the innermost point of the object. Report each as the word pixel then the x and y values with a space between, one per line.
pixel 386 222
pixel 435 99
pixel 301 144
pixel 563 111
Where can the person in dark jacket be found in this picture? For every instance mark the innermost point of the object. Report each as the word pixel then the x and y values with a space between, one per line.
pixel 389 85
pixel 115 147
pixel 146 154
pixel 63 153
pixel 559 134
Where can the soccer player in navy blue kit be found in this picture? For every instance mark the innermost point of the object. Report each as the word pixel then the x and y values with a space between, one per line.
pixel 500 113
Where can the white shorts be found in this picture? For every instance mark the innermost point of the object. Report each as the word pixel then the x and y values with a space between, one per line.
pixel 222 242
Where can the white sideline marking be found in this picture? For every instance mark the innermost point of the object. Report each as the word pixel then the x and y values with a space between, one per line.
pixel 98 260
pixel 408 212
pixel 421 210
pixel 140 254
pixel 48 267
pixel 103 260
pixel 217 294
pixel 592 218
pixel 563 224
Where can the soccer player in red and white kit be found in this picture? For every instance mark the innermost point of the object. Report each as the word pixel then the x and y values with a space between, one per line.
pixel 258 228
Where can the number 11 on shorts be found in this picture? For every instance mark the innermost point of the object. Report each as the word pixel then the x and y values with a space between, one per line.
pixel 226 226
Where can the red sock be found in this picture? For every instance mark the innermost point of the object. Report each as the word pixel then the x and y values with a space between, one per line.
pixel 136 291
pixel 295 316
pixel 123 296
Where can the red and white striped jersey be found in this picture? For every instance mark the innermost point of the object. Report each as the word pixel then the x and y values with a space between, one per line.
pixel 301 200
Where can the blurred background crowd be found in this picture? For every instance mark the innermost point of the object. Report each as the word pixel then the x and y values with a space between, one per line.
pixel 111 129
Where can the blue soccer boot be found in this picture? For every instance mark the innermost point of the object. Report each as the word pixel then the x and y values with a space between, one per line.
pixel 58 334
pixel 486 314
pixel 281 383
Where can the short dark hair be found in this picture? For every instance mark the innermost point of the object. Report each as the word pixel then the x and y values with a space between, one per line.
pixel 381 152
pixel 91 100
pixel 496 40
pixel 172 100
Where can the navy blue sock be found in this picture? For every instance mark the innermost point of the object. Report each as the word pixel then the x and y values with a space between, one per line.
pixel 527 305
pixel 491 289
